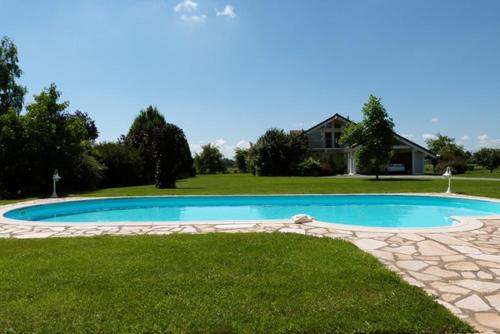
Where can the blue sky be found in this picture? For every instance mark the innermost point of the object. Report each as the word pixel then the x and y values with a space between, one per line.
pixel 226 70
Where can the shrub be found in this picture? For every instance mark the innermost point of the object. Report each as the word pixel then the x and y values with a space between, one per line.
pixel 123 164
pixel 210 160
pixel 309 167
pixel 277 153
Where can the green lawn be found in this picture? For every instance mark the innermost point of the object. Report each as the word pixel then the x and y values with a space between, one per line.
pixel 230 184
pixel 227 184
pixel 213 283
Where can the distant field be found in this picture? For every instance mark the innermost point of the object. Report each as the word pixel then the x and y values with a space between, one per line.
pixel 477 172
pixel 233 184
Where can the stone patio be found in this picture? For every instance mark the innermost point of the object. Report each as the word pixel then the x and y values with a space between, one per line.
pixel 461 269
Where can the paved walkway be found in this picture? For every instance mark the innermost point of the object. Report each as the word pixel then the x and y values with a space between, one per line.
pixel 461 269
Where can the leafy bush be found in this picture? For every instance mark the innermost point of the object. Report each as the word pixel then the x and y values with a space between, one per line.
pixel 277 153
pixel 210 160
pixel 309 167
pixel 458 166
pixel 123 164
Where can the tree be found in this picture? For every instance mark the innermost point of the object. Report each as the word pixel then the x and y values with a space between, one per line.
pixel 210 160
pixel 123 164
pixel 277 153
pixel 450 154
pixel 374 134
pixel 141 136
pixel 172 155
pixel 489 158
pixel 241 156
pixel 56 139
pixel 14 164
pixel 11 94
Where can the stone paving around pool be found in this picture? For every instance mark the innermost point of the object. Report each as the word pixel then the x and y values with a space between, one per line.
pixel 461 269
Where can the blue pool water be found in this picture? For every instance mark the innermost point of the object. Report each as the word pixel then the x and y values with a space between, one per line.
pixel 364 210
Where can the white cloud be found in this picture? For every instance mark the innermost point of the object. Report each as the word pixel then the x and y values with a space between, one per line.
pixel 185 6
pixel 220 142
pixel 465 138
pixel 194 18
pixel 486 141
pixel 407 136
pixel 427 136
pixel 227 11
pixel 434 120
pixel 243 144
pixel 483 138
pixel 226 149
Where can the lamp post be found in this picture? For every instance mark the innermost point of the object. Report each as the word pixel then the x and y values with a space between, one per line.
pixel 55 178
pixel 448 174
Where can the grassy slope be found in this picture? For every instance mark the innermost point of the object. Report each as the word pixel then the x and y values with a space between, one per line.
pixel 207 283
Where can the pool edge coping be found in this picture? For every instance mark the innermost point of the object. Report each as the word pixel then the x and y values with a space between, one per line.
pixel 463 223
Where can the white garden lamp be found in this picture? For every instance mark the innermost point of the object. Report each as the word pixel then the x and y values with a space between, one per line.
pixel 447 174
pixel 55 178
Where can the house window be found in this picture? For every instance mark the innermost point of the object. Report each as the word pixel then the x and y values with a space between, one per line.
pixel 328 140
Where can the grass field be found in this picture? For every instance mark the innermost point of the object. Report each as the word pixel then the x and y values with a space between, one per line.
pixel 214 283
pixel 231 184
pixel 228 184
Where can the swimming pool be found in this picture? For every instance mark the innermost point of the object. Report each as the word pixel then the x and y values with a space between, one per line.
pixel 395 211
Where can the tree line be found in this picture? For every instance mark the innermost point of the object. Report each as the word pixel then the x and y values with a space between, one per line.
pixel 48 137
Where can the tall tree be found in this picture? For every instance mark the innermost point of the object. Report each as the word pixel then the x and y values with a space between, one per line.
pixel 141 136
pixel 172 155
pixel 57 140
pixel 11 94
pixel 489 158
pixel 450 154
pixel 241 156
pixel 374 133
pixel 210 160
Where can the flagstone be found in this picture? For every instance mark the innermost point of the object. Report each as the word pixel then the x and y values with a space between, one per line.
pixel 367 244
pixel 382 254
pixel 449 297
pixel 411 236
pixel 429 247
pixel 491 320
pixel 466 249
pixel 414 265
pixel 494 301
pixel 462 266
pixel 473 303
pixel 292 230
pixel 468 274
pixel 408 250
pixel 478 286
pixel 446 239
pixel 436 271
pixel 424 277
pixel 446 287
pixel 489 264
pixel 484 275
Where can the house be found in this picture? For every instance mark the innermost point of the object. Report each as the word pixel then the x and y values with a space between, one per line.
pixel 323 140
